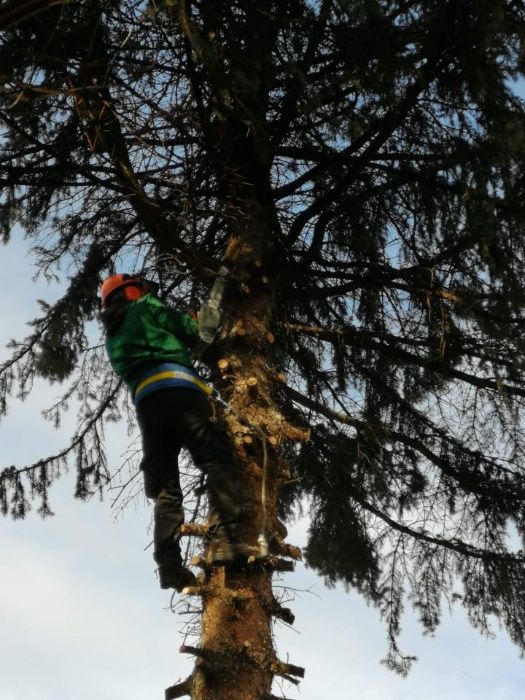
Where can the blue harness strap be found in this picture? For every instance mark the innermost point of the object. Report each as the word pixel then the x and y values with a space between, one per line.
pixel 168 374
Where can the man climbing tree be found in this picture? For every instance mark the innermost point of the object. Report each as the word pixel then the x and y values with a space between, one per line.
pixel 358 168
pixel 145 344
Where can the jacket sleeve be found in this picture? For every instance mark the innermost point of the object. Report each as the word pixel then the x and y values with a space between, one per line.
pixel 183 326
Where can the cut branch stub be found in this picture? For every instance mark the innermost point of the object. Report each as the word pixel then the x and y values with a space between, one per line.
pixel 278 564
pixel 285 614
pixel 179 690
pixel 193 529
pixel 288 671
pixel 210 660
pixel 286 550
pixel 201 563
pixel 223 365
pixel 196 590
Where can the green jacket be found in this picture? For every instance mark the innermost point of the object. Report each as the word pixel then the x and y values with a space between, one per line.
pixel 144 333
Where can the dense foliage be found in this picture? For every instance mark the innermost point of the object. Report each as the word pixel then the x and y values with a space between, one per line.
pixel 383 142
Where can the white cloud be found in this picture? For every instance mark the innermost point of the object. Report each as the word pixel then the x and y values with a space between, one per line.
pixel 82 611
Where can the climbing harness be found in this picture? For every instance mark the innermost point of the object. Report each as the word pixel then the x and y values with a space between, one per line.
pixel 261 539
pixel 169 374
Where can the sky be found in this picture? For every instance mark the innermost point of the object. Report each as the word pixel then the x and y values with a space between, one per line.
pixel 82 616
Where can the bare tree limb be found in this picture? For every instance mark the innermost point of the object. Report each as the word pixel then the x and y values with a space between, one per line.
pixel 15 11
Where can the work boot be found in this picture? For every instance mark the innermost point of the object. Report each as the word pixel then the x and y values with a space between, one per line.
pixel 176 576
pixel 172 572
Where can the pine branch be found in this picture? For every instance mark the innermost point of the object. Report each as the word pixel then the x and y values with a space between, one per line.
pixel 322 410
pixel 14 12
pixel 356 154
pixel 364 339
pixel 85 171
pixel 453 544
pixel 201 46
pixel 470 481
pixel 294 88
pixel 463 190
pixel 10 472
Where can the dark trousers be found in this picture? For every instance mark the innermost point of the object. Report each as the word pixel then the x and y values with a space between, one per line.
pixel 170 419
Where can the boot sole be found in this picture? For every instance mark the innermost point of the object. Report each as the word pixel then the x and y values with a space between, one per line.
pixel 179 583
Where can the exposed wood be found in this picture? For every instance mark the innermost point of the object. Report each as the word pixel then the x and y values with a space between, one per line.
pixel 195 590
pixel 238 328
pixel 200 562
pixel 193 529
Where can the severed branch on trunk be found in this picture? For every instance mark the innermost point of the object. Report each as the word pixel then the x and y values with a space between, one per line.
pixel 179 690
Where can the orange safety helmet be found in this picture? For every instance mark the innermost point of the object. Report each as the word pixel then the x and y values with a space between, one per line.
pixel 133 288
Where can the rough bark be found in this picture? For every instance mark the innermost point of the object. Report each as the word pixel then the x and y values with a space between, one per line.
pixel 237 659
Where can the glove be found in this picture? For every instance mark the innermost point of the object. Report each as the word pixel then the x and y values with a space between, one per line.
pixel 208 319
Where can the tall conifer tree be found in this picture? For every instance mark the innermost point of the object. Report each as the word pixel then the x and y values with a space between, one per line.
pixel 358 165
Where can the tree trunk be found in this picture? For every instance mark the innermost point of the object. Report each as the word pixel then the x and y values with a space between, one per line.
pixel 236 659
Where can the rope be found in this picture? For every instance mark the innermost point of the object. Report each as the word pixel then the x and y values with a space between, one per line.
pixel 261 539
